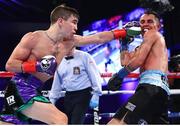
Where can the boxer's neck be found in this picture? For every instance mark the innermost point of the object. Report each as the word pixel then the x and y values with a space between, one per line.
pixel 50 38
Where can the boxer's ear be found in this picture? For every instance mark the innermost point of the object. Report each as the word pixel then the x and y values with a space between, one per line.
pixel 60 21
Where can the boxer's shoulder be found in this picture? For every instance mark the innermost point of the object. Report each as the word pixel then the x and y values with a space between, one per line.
pixel 35 34
pixel 152 34
pixel 32 37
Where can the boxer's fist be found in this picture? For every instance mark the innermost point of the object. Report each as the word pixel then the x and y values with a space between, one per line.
pixel 115 82
pixel 124 42
pixel 129 29
pixel 47 64
pixel 132 28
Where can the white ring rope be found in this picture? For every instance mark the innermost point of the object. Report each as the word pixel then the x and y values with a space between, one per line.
pixel 105 92
pixel 110 115
pixel 172 92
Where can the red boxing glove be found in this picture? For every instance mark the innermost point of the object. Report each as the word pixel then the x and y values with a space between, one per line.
pixel 119 33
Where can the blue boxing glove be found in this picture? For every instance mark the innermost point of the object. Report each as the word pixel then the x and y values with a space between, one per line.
pixel 94 102
pixel 47 64
pixel 116 80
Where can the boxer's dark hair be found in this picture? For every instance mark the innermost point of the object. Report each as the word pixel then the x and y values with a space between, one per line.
pixel 62 11
pixel 149 11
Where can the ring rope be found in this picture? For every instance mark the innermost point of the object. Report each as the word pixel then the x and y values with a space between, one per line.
pixel 5 74
pixel 45 93
pixel 110 115
pixel 136 75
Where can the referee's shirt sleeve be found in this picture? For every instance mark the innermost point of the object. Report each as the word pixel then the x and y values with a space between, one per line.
pixel 94 75
pixel 56 89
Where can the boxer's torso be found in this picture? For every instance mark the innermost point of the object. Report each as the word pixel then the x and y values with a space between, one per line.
pixel 157 58
pixel 43 46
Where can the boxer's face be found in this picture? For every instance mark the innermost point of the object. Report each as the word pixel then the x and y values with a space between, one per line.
pixel 69 27
pixel 149 22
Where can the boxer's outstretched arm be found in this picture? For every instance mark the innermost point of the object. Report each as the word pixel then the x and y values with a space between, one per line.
pixel 100 37
pixel 107 36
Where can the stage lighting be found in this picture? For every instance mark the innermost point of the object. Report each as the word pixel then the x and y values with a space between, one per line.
pixel 160 6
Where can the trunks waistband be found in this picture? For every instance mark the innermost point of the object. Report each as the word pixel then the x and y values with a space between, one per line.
pixel 155 77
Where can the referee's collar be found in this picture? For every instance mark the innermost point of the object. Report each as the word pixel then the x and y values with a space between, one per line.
pixel 69 57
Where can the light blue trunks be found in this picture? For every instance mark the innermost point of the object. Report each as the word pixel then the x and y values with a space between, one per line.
pixel 155 77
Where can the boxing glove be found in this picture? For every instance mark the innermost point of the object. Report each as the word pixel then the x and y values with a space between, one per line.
pixel 116 80
pixel 132 28
pixel 47 64
pixel 94 102
pixel 124 42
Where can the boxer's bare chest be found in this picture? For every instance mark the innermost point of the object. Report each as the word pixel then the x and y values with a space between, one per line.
pixel 44 48
pixel 53 44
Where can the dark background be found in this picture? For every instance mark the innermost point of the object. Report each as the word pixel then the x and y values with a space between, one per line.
pixel 18 17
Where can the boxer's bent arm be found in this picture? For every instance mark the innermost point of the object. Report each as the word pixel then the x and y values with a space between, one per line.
pixel 142 52
pixel 126 56
pixel 20 53
pixel 47 64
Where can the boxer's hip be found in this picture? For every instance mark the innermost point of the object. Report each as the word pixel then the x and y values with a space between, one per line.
pixel 26 85
pixel 155 77
pixel 21 92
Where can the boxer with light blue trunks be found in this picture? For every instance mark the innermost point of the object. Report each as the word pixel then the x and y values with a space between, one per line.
pixel 150 95
pixel 21 92
pixel 149 103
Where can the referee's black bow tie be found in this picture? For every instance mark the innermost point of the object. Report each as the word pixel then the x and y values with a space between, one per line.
pixel 69 57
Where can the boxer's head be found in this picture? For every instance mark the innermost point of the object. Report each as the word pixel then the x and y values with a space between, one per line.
pixel 64 12
pixel 150 20
pixel 65 19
